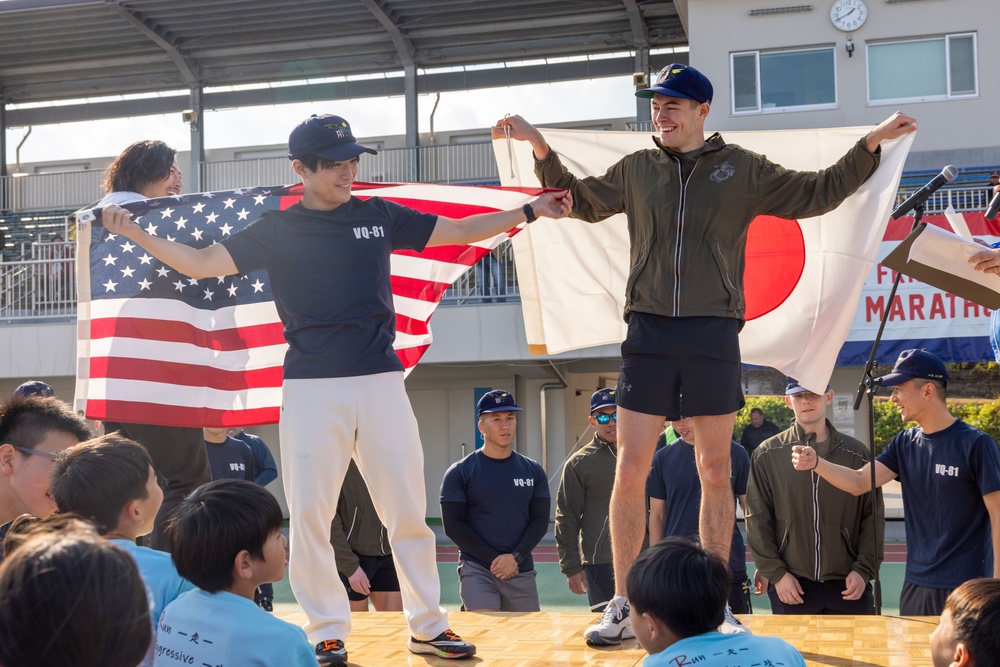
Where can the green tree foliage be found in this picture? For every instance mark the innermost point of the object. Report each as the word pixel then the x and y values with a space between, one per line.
pixel 774 408
pixel 984 415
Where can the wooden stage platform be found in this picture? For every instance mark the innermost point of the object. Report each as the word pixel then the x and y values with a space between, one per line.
pixel 545 639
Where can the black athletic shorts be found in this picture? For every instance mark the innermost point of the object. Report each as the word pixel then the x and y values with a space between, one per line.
pixel 381 572
pixel 917 600
pixel 681 366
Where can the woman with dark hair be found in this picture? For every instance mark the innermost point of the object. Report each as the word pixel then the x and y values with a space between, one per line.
pixel 146 170
pixel 71 598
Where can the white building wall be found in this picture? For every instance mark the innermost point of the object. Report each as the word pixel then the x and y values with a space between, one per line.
pixel 957 131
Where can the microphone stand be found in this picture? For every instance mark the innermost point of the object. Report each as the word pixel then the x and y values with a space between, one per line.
pixel 868 387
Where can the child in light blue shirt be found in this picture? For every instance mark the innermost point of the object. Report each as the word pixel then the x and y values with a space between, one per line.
pixel 678 594
pixel 110 482
pixel 226 538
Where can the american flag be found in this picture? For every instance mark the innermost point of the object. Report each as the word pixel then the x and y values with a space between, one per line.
pixel 158 347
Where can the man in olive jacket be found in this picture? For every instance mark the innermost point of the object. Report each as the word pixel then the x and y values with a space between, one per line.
pixel 688 201
pixel 815 547
pixel 361 546
pixel 582 507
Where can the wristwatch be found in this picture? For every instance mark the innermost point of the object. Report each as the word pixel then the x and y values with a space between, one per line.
pixel 529 213
pixel 517 556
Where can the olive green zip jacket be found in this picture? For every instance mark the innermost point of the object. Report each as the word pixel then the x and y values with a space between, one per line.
pixel 356 528
pixel 582 508
pixel 798 522
pixel 688 235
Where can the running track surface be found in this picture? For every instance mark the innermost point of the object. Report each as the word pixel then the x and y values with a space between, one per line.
pixel 894 553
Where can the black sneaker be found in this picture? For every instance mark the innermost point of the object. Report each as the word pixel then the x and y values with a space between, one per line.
pixel 331 653
pixel 445 645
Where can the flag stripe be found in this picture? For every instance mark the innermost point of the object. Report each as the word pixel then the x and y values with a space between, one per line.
pixel 197 375
pixel 182 395
pixel 222 340
pixel 186 353
pixel 170 415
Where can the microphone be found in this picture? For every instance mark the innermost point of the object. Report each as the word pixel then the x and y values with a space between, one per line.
pixel 994 208
pixel 923 194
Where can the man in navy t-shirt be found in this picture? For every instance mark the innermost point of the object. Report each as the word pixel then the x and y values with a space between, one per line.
pixel 228 457
pixel 950 474
pixel 495 507
pixel 327 259
pixel 674 491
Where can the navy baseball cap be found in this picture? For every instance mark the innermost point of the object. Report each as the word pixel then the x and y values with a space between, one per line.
pixel 677 80
pixel 602 398
pixel 915 364
pixel 793 387
pixel 327 136
pixel 497 400
pixel 34 388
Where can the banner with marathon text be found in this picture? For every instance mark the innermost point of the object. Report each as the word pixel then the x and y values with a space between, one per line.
pixel 920 315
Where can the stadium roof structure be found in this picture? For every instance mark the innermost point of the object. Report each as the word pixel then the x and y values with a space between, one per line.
pixel 73 60
pixel 56 50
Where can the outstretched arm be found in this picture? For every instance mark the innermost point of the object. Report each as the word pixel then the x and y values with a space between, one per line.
pixel 198 263
pixel 462 231
pixel 856 482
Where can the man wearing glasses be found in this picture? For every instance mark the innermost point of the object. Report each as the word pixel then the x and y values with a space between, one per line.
pixel 582 507
pixel 33 430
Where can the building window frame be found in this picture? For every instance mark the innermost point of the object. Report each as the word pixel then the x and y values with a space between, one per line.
pixel 950 92
pixel 760 107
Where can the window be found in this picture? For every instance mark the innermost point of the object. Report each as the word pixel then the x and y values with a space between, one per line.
pixel 775 81
pixel 938 68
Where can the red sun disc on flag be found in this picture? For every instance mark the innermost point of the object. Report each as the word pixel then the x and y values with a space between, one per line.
pixel 775 259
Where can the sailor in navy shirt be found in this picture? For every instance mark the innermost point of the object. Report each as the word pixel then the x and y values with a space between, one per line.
pixel 950 474
pixel 228 457
pixel 327 259
pixel 495 507
pixel 674 491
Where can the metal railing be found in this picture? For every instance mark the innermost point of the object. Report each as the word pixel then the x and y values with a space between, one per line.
pixel 491 280
pixel 48 192
pixel 451 163
pixel 43 286
pixel 961 199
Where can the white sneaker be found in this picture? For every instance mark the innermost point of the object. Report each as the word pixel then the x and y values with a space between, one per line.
pixel 732 626
pixel 614 626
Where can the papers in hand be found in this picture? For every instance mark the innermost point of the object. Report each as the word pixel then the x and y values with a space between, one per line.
pixel 941 259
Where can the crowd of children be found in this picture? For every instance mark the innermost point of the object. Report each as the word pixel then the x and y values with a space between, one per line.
pixel 76 589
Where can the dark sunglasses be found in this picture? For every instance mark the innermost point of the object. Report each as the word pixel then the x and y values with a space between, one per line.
pixel 605 418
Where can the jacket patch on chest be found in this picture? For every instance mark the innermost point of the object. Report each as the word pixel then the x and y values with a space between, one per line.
pixel 722 172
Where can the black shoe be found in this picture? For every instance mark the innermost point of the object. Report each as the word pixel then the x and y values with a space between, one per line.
pixel 445 645
pixel 266 602
pixel 331 653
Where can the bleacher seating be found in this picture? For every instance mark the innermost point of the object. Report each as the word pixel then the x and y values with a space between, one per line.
pixel 968 177
pixel 21 229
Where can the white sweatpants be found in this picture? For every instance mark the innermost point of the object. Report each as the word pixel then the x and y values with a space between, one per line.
pixel 323 423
